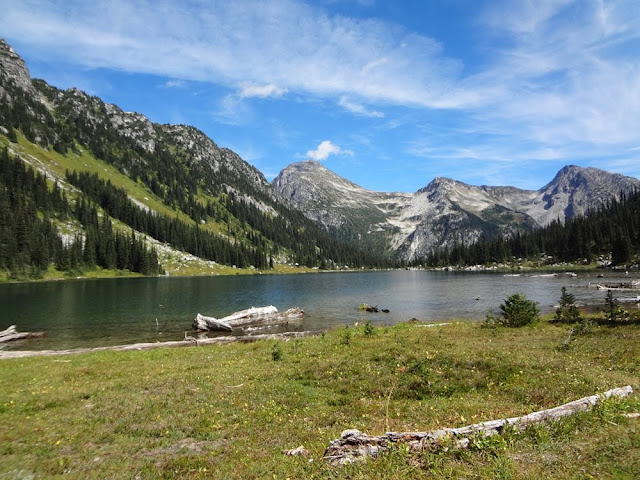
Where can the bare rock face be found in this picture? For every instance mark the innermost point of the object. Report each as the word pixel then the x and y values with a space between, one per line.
pixel 199 151
pixel 13 66
pixel 574 191
pixel 132 125
pixel 445 211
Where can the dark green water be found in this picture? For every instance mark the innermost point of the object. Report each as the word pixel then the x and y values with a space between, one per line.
pixel 83 313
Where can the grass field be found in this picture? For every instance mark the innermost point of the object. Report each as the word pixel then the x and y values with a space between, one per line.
pixel 229 411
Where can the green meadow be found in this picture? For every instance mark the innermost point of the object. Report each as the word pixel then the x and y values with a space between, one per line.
pixel 229 411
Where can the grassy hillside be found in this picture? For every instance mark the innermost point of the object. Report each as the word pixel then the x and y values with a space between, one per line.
pixel 230 411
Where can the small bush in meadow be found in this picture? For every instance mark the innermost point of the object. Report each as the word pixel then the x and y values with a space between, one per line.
pixel 276 353
pixel 613 312
pixel 368 329
pixel 567 312
pixel 518 310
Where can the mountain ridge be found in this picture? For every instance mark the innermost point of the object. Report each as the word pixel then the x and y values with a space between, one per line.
pixel 445 211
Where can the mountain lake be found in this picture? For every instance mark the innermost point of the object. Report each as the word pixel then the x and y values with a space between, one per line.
pixel 92 313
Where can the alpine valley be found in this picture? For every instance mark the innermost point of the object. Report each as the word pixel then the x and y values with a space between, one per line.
pixel 86 185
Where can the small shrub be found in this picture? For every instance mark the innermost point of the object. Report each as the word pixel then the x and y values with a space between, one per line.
pixel 518 310
pixel 568 311
pixel 276 353
pixel 582 327
pixel 346 337
pixel 490 321
pixel 613 312
pixel 368 329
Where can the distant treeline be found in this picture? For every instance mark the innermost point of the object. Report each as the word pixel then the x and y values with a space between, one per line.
pixel 30 240
pixel 613 229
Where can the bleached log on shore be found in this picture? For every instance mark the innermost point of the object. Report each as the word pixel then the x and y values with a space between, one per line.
pixel 202 323
pixel 152 345
pixel 12 333
pixel 276 318
pixel 354 445
pixel 241 317
pixel 252 316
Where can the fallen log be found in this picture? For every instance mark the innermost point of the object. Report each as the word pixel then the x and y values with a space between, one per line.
pixel 4 355
pixel 354 445
pixel 241 317
pixel 252 316
pixel 203 323
pixel 12 333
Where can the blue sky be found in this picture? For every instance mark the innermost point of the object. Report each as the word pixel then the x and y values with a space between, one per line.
pixel 388 94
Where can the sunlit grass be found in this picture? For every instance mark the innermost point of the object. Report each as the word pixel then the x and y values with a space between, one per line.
pixel 229 411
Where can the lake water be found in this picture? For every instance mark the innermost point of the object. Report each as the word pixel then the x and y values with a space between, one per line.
pixel 87 313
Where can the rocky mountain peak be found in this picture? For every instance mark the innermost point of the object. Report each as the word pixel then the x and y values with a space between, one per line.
pixel 13 66
pixel 446 210
pixel 306 169
pixel 440 184
pixel 576 190
pixel 320 184
pixel 133 125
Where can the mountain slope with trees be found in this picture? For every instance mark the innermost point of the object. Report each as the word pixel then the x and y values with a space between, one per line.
pixel 173 189
pixel 167 183
pixel 29 238
pixel 610 233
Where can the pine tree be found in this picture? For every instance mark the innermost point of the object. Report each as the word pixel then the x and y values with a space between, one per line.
pixel 567 311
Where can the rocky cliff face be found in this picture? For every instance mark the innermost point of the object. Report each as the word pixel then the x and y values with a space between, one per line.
pixel 12 67
pixel 347 210
pixel 575 190
pixel 200 151
pixel 445 211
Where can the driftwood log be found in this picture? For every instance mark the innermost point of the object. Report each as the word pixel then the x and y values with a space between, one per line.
pixel 203 323
pixel 354 445
pixel 12 333
pixel 251 317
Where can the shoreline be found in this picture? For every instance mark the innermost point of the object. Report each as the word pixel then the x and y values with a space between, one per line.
pixel 119 274
pixel 10 354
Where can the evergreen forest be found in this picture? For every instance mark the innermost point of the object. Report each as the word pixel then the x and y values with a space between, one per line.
pixel 31 213
pixel 611 232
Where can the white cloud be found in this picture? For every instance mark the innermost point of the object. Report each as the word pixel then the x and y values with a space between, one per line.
pixel 175 84
pixel 358 109
pixel 523 17
pixel 285 43
pixel 562 79
pixel 552 75
pixel 231 110
pixel 325 149
pixel 373 64
pixel 261 91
